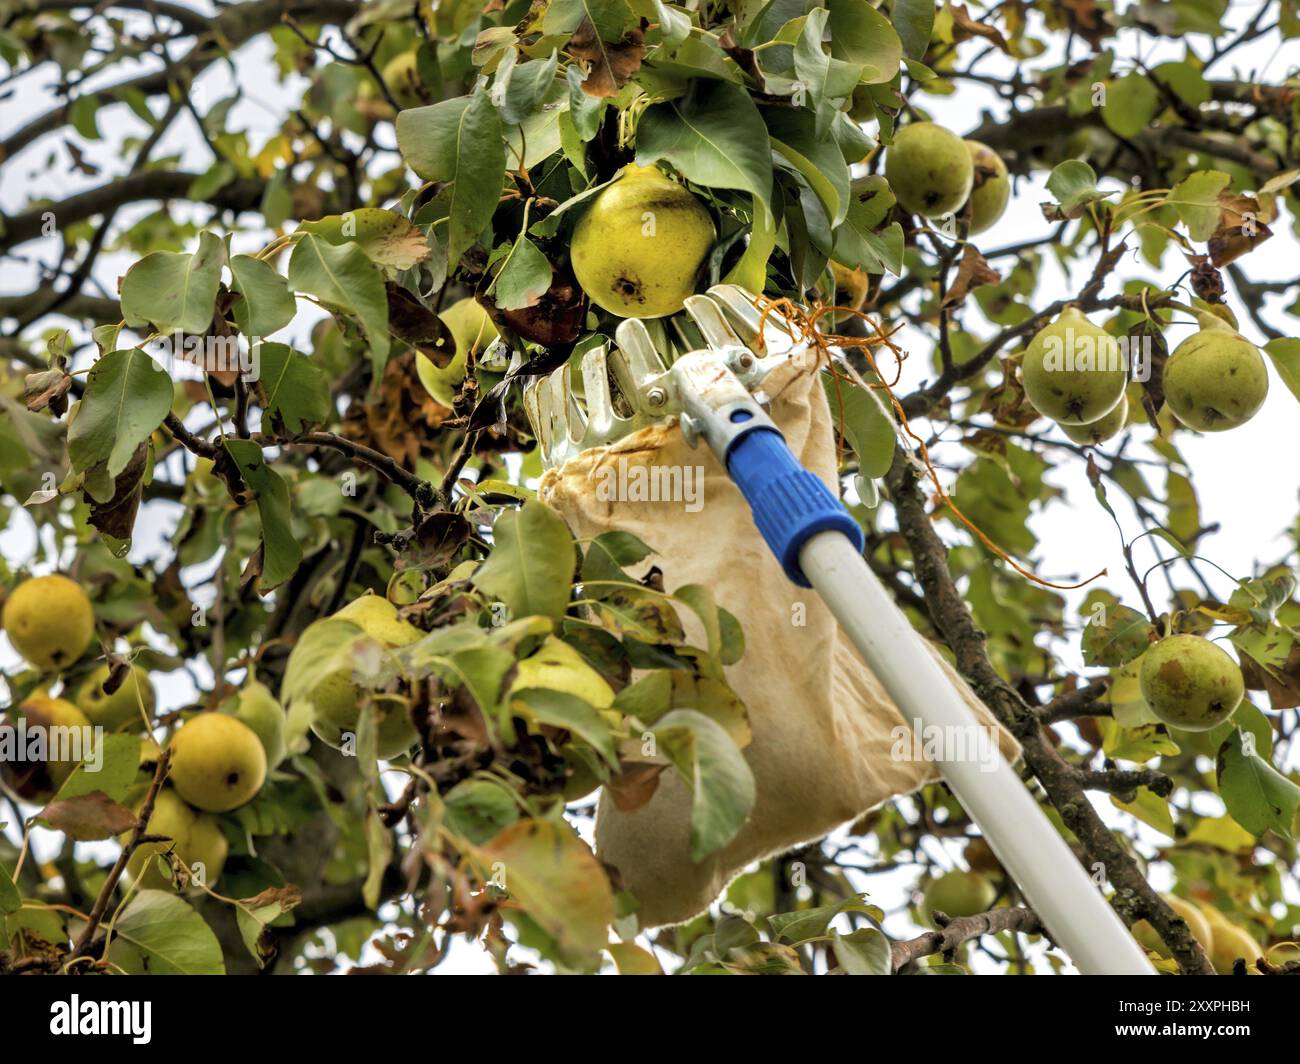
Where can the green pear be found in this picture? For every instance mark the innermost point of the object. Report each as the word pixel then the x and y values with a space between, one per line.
pixel 1215 380
pixel 402 76
pixel 206 849
pixel 49 621
pixel 260 710
pixel 1101 430
pixel 638 250
pixel 1190 683
pixel 958 894
pixel 218 762
pixel 472 330
pixel 1231 943
pixel 929 169
pixel 119 711
pixel 1073 371
pixel 991 188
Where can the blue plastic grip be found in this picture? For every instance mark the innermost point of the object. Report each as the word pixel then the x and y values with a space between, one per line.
pixel 789 503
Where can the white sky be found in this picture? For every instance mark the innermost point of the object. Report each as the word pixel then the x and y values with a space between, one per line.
pixel 1247 480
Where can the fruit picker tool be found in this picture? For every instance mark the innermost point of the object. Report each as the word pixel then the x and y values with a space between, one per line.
pixel 734 359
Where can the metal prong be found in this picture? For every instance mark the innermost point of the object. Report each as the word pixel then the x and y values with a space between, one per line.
pixel 712 323
pixel 768 335
pixel 595 386
pixel 639 369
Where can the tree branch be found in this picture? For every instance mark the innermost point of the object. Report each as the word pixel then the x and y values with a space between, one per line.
pixel 961 929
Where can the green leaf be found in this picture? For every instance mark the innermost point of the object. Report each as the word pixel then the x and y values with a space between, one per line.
pixel 1116 637
pixel 1074 184
pixel 585 111
pixel 1149 808
pixel 10 900
pixel 519 87
pixel 818 159
pixel 294 389
pixel 712 766
pixel 118 761
pixel 175 289
pixel 281 551
pixel 829 82
pixel 914 22
pixel 1196 199
pixel 458 141
pixel 387 238
pixel 344 278
pixel 719 141
pixel 524 277
pixel 674 25
pixel 83 115
pixel 864 952
pixel 560 709
pixel 127 396
pixel 606 556
pixel 862 35
pixel 1257 796
pixel 1285 354
pixel 531 565
pixel 265 304
pixel 159 934
pixel 480 809
pixel 867 425
pixel 1130 104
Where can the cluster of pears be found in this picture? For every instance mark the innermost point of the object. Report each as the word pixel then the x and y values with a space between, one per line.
pixel 934 172
pixel 220 761
pixel 1190 683
pixel 1223 941
pixel 639 248
pixel 337 700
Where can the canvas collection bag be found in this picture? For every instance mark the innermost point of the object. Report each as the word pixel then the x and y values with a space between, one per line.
pixel 825 732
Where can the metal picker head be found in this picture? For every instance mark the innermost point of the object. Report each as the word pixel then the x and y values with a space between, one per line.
pixel 727 323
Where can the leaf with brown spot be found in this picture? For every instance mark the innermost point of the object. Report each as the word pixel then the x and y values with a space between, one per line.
pixel 88 817
pixel 972 272
pixel 611 63
pixel 48 388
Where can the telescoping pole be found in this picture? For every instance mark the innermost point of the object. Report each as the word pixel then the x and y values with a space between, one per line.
pixel 819 545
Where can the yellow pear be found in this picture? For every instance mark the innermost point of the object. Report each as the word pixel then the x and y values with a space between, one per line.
pixel 472 330
pixel 851 286
pixel 1231 943
pixel 1072 370
pixel 217 762
pixel 638 250
pixel 119 711
pixel 1197 923
pixel 930 169
pixel 49 753
pixel 206 849
pixel 170 817
pixel 1190 683
pixel 49 621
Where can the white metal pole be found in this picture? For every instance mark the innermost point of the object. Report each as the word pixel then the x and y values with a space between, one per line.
pixel 1024 840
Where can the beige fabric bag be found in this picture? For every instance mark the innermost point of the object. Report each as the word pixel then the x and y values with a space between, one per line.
pixel 822 724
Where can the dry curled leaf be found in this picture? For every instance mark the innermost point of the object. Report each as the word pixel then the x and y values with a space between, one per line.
pixel 610 64
pixel 972 272
pixel 966 27
pixel 1241 228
